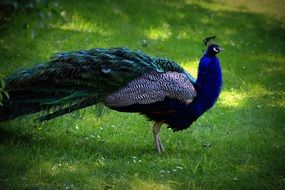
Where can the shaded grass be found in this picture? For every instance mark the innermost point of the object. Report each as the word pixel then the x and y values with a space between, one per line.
pixel 239 144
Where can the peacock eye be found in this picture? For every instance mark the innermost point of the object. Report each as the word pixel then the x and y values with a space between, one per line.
pixel 215 49
pixel 106 70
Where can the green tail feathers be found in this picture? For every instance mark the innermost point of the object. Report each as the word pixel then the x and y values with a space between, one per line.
pixel 75 80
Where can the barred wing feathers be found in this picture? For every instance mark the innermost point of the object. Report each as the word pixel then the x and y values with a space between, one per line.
pixel 153 87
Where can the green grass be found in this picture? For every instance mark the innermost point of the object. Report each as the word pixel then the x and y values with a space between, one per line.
pixel 239 144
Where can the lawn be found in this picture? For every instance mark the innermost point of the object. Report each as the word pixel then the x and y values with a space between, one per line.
pixel 239 144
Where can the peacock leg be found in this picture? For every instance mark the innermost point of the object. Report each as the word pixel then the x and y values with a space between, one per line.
pixel 156 127
pixel 160 145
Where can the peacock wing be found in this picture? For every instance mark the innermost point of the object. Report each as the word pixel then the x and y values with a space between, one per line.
pixel 153 87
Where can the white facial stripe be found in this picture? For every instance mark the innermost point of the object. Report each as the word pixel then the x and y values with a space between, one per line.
pixel 215 49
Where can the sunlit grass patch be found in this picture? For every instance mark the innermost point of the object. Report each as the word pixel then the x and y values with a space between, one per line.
pixel 254 6
pixel 149 185
pixel 79 24
pixel 191 67
pixel 233 98
pixel 162 32
pixel 239 98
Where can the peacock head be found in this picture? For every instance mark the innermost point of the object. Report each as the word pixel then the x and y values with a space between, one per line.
pixel 213 50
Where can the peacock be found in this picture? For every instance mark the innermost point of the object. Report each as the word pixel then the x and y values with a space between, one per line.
pixel 122 79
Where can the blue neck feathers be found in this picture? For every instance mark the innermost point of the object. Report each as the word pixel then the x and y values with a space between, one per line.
pixel 209 82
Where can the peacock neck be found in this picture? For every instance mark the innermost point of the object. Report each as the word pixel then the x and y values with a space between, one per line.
pixel 208 84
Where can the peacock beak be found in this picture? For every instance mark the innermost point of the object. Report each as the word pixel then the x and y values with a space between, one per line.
pixel 220 49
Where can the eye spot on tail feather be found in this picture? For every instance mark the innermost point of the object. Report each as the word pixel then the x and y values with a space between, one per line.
pixel 106 70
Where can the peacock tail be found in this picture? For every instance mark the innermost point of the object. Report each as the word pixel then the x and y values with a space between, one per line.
pixel 74 80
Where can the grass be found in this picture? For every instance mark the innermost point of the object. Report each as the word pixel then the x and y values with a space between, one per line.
pixel 239 144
